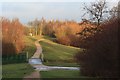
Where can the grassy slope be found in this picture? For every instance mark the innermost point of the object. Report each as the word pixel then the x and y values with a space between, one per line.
pixel 21 69
pixel 30 46
pixel 57 54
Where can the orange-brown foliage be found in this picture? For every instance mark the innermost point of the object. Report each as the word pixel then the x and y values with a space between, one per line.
pixel 74 32
pixel 12 36
pixel 64 31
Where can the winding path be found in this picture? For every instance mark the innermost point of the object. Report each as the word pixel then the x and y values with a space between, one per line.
pixel 36 62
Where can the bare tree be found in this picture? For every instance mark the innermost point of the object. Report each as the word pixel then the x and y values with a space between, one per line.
pixel 36 24
pixel 96 10
pixel 114 11
pixel 119 9
pixel 41 25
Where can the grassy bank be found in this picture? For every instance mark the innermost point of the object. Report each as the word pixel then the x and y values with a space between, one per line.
pixel 57 54
pixel 30 46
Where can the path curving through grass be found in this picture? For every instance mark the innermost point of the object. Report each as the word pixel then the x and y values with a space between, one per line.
pixel 36 62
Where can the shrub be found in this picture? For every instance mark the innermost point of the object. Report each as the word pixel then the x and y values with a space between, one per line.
pixel 64 40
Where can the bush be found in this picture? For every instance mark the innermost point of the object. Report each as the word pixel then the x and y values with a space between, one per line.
pixel 14 58
pixel 74 40
pixel 101 55
pixel 64 40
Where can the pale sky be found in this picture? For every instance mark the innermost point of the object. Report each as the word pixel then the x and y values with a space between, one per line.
pixel 27 10
pixel 54 0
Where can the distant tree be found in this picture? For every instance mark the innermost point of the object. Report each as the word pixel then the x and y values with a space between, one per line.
pixel 97 10
pixel 38 26
pixel 114 12
pixel 49 28
pixel 42 24
pixel 119 9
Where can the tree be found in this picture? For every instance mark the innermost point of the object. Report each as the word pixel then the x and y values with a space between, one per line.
pixel 96 10
pixel 12 36
pixel 100 58
pixel 38 25
pixel 119 9
pixel 113 12
pixel 41 26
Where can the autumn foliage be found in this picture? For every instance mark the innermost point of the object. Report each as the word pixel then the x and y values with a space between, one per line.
pixel 100 57
pixel 72 33
pixel 66 32
pixel 12 36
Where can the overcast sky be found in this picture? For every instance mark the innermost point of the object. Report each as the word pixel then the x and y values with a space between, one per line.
pixel 49 9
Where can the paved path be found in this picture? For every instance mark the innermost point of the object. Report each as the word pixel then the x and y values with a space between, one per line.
pixel 33 75
pixel 36 62
pixel 38 50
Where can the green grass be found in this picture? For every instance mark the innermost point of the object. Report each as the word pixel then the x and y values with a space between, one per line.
pixel 16 70
pixel 65 75
pixel 57 54
pixel 49 38
pixel 62 64
pixel 60 74
pixel 30 46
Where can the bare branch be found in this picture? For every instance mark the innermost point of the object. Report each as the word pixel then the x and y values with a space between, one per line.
pixel 96 10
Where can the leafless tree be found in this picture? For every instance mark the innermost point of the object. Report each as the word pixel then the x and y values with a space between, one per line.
pixel 96 10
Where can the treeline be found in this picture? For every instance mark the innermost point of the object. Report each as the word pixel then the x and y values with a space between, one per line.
pixel 12 36
pixel 65 32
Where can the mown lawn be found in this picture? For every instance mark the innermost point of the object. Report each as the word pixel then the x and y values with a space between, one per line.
pixel 57 54
pixel 16 70
pixel 64 75
pixel 60 74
